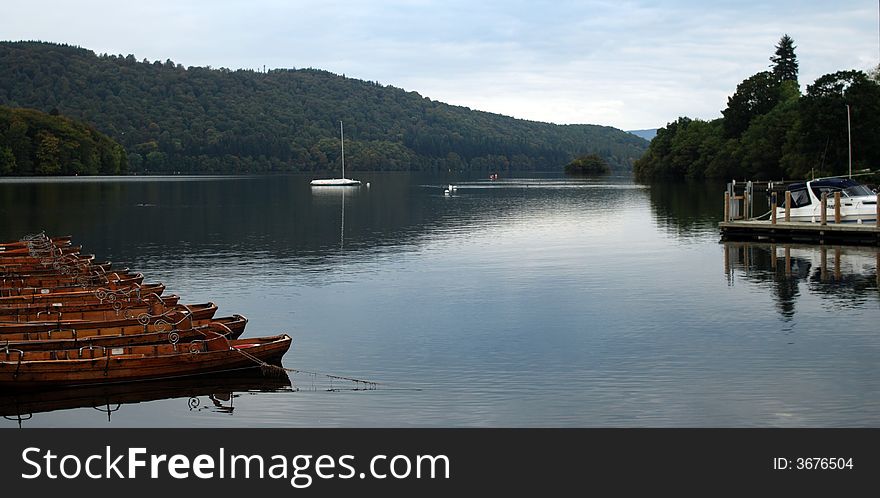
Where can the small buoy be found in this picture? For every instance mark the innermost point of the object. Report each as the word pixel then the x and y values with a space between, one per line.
pixel 446 192
pixel 368 184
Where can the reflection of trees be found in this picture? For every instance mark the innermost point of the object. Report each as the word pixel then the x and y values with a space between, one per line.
pixel 686 207
pixel 844 275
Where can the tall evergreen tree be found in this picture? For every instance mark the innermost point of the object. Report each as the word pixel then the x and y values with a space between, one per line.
pixel 785 65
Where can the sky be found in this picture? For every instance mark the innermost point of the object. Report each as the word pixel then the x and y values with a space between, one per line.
pixel 627 64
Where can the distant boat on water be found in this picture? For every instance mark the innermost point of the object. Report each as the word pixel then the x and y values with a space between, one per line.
pixel 338 182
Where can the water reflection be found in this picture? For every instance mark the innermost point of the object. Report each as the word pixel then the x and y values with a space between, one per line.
pixel 687 209
pixel 845 277
pixel 215 393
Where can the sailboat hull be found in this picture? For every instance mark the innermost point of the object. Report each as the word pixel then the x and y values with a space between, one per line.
pixel 336 182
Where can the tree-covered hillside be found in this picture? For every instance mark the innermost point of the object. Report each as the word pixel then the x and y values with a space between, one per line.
pixel 36 143
pixel 199 119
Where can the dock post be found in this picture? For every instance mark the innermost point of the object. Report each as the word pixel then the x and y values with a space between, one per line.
pixel 836 207
pixel 878 225
pixel 787 206
pixel 773 208
pixel 726 207
pixel 824 208
pixel 746 213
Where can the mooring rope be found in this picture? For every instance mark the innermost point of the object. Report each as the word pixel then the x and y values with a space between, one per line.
pixel 274 370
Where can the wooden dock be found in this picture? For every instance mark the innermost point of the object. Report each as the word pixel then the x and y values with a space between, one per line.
pixel 782 231
pixel 826 230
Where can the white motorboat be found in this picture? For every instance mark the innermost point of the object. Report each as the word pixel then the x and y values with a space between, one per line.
pixel 858 203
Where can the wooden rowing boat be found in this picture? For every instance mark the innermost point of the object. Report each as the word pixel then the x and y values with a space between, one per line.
pixel 84 296
pixel 58 279
pixel 25 287
pixel 70 367
pixel 152 304
pixel 27 254
pixel 39 240
pixel 231 327
pixel 192 314
pixel 88 268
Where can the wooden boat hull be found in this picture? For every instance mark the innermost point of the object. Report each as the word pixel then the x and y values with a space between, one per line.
pixel 82 296
pixel 184 315
pixel 53 280
pixel 22 287
pixel 155 305
pixel 39 240
pixel 39 252
pixel 231 327
pixel 42 369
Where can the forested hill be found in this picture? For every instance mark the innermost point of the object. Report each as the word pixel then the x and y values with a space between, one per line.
pixel 199 119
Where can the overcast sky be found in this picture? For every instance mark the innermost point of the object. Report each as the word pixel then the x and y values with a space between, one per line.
pixel 628 64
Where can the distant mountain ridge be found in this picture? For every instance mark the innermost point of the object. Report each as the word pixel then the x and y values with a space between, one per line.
pixel 648 134
pixel 200 119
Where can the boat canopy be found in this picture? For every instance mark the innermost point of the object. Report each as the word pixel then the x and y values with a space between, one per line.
pixel 847 186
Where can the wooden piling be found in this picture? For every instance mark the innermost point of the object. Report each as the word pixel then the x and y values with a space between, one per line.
pixel 746 211
pixel 726 206
pixel 787 205
pixel 836 207
pixel 773 208
pixel 824 216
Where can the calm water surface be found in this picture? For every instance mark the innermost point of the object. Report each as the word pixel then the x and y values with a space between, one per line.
pixel 528 302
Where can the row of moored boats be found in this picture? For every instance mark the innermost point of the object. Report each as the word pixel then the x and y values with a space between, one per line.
pixel 68 320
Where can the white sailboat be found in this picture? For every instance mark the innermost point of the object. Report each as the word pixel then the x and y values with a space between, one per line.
pixel 338 182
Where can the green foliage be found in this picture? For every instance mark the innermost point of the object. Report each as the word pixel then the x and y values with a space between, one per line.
pixel 755 96
pixel 201 120
pixel 770 131
pixel 35 143
pixel 785 64
pixel 590 164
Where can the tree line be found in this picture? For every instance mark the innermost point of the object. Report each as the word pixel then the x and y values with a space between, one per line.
pixel 36 143
pixel 202 120
pixel 769 130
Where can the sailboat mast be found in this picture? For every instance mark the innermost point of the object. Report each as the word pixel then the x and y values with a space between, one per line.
pixel 342 140
pixel 849 139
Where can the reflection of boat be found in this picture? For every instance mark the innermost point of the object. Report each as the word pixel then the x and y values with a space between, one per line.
pixel 858 203
pixel 108 398
pixel 338 182
pixel 98 365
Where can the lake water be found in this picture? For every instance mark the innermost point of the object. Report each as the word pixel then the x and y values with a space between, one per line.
pixel 524 302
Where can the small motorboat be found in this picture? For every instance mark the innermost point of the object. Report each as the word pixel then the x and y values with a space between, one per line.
pixel 858 203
